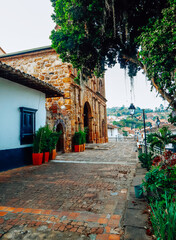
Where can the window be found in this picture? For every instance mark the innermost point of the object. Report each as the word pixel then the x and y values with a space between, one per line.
pixel 27 125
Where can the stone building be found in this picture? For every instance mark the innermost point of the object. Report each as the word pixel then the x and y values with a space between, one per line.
pixel 83 105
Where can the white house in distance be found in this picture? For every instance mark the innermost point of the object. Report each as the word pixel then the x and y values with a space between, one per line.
pixel 22 105
pixel 113 133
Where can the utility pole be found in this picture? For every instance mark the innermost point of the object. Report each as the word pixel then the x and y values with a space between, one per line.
pixel 145 140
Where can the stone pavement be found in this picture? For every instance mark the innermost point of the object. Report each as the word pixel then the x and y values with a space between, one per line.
pixel 82 196
pixel 122 152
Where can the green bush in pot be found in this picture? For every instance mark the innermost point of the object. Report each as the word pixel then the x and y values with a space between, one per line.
pixel 37 155
pixel 38 141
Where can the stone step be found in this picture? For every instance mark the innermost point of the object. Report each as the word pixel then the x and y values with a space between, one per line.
pixel 133 233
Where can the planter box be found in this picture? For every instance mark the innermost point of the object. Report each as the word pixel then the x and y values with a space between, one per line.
pixel 77 148
pixel 53 154
pixel 37 158
pixel 82 148
pixel 46 157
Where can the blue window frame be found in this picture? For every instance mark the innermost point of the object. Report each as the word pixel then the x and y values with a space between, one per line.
pixel 27 125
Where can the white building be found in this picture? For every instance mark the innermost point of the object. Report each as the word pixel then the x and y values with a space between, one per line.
pixel 113 133
pixel 22 105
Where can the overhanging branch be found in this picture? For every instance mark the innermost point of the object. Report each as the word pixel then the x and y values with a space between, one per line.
pixel 166 96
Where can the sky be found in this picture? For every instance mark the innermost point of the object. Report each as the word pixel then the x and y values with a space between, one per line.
pixel 27 24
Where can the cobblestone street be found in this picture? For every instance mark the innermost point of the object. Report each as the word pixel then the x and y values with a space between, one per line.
pixel 77 196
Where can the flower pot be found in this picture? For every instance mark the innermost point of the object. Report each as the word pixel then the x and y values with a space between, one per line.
pixel 53 154
pixel 37 158
pixel 77 148
pixel 84 146
pixel 81 148
pixel 138 191
pixel 46 157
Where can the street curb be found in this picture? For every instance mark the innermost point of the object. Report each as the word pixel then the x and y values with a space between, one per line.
pixel 135 221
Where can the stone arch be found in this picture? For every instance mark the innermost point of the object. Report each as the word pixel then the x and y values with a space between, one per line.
pixel 62 122
pixel 88 121
pixel 60 126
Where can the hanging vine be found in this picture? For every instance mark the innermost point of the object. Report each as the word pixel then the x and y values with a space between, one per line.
pixel 114 18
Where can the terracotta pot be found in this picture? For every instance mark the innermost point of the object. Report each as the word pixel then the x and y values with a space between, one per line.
pixel 77 148
pixel 53 154
pixel 81 148
pixel 46 157
pixel 37 158
pixel 84 146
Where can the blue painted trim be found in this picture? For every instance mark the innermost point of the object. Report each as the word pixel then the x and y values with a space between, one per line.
pixel 14 158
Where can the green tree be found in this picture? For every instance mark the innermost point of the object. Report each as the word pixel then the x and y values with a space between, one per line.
pixel 172 119
pixel 158 52
pixel 99 33
pixel 161 138
pixel 125 133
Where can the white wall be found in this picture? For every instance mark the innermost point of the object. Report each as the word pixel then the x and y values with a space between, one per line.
pixel 112 133
pixel 13 96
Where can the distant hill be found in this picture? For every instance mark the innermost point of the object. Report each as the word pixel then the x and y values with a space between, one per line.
pixel 120 116
pixel 119 111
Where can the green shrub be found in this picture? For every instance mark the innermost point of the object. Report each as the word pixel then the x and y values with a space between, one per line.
pixel 160 185
pixel 45 140
pixel 46 147
pixel 146 160
pixel 83 137
pixel 79 138
pixel 163 218
pixel 54 137
pixel 158 181
pixel 37 142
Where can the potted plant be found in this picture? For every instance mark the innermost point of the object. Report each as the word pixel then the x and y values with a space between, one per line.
pixel 46 143
pixel 54 136
pixel 79 140
pixel 37 155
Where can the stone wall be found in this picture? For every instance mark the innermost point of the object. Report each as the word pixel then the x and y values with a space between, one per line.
pixel 69 110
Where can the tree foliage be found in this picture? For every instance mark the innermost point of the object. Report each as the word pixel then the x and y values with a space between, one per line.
pixel 162 137
pixel 94 34
pixel 158 51
pixel 132 123
pixel 172 119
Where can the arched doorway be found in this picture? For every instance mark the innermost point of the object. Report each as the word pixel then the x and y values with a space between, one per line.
pixel 87 121
pixel 60 143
